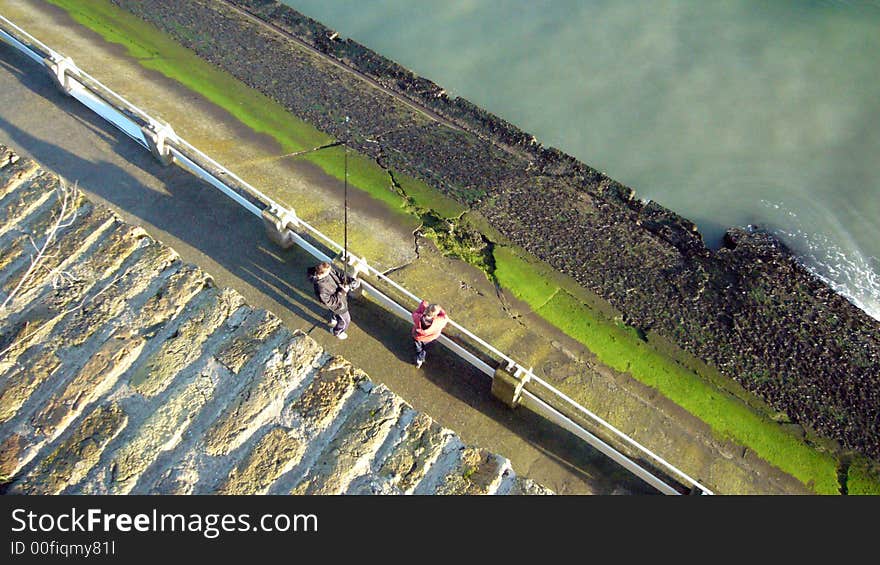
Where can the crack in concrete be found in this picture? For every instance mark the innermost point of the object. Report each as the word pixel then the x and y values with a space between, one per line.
pixel 843 466
pixel 320 147
pixel 465 286
pixel 394 184
pixel 410 262
pixel 505 306
pixel 488 268
pixel 416 234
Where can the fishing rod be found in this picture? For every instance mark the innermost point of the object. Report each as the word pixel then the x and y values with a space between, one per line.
pixel 345 201
pixel 352 279
pixel 345 208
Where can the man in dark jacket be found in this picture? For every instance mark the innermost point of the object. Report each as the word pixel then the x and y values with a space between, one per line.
pixel 331 290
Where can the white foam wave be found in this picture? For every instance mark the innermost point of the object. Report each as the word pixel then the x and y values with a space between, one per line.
pixel 849 272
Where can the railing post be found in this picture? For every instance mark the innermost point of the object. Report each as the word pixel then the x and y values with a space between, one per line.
pixel 279 223
pixel 356 267
pixel 507 386
pixel 155 136
pixel 58 66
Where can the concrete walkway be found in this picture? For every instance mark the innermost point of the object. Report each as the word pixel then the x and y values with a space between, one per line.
pixel 208 229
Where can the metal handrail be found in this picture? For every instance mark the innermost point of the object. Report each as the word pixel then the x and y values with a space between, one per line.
pixel 580 409
pixel 189 156
pixel 128 105
pixel 269 203
pixel 537 405
pixel 30 37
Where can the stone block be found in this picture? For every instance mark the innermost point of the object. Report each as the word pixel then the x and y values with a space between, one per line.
pixel 21 199
pixel 162 430
pixel 47 307
pixel 275 454
pixel 181 479
pixel 20 381
pixel 185 345
pixel 44 324
pixel 107 304
pixel 96 377
pixel 7 157
pixel 325 396
pixel 111 253
pixel 478 472
pixel 11 449
pixel 241 349
pixel 12 176
pixel 354 446
pixel 423 442
pixel 76 455
pixel 170 298
pixel 524 486
pixel 263 398
pixel 88 225
pixel 12 257
pixel 20 241
pixel 65 341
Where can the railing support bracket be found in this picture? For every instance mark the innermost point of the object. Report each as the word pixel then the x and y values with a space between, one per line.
pixel 279 224
pixel 58 67
pixel 356 266
pixel 507 386
pixel 155 136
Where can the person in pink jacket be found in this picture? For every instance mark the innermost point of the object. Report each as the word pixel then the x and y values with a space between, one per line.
pixel 428 321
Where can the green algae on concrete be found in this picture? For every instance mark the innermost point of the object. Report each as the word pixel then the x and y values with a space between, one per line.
pixel 519 277
pixel 459 239
pixel 423 197
pixel 621 348
pixel 363 174
pixel 158 52
pixel 863 477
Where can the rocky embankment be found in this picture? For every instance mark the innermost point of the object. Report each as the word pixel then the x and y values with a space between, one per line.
pixel 748 309
pixel 125 370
